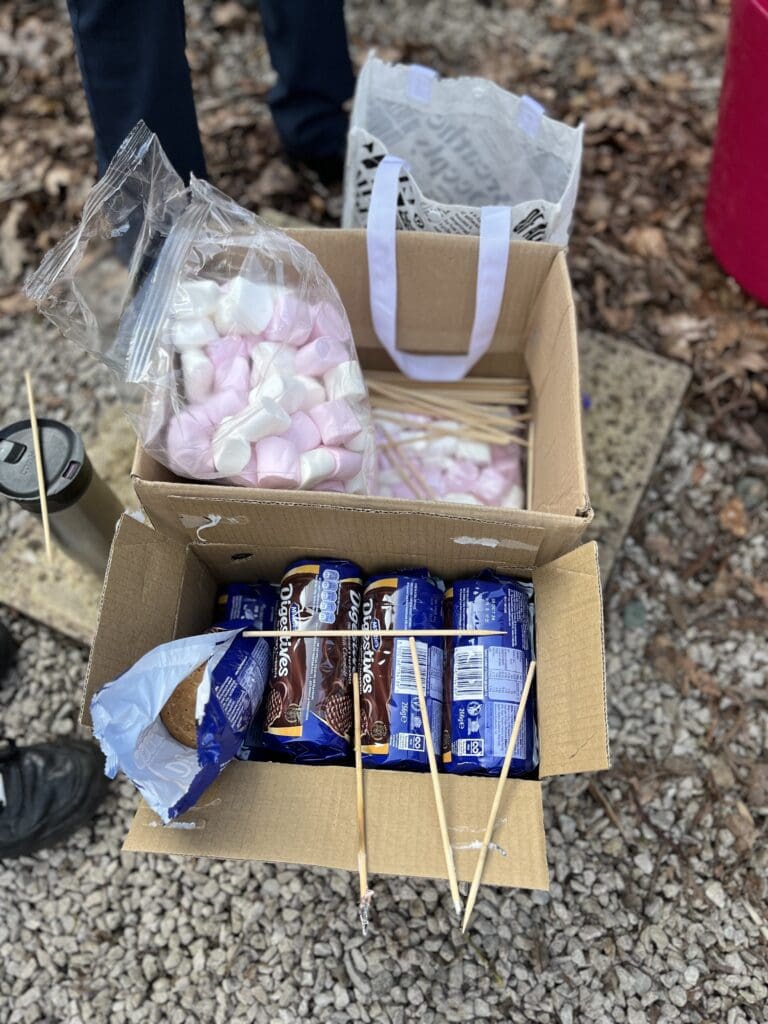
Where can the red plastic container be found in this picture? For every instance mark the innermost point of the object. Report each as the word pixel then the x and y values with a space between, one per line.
pixel 736 218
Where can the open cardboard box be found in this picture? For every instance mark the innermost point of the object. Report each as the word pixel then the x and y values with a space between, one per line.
pixel 535 337
pixel 159 587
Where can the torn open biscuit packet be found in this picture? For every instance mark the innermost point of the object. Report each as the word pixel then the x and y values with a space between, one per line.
pixel 230 341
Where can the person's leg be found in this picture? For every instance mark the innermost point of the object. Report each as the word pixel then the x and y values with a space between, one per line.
pixel 133 65
pixel 307 42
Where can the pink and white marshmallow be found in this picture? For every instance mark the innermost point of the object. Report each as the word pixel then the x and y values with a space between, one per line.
pixel 291 321
pixel 320 356
pixel 188 334
pixel 277 463
pixel 346 381
pixel 316 465
pixel 347 464
pixel 244 307
pixel 336 422
pixel 197 371
pixel 328 322
pixel 196 298
pixel 302 432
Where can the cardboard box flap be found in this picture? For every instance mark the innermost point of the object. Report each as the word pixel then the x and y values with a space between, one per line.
pixel 304 815
pixel 571 700
pixel 138 609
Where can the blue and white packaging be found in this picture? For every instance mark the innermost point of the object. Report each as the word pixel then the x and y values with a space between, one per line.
pixel 126 715
pixel 485 677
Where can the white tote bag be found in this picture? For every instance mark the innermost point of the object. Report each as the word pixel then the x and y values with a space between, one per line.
pixel 465 143
pixel 492 260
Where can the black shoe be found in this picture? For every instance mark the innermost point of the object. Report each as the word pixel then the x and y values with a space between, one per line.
pixel 47 792
pixel 7 651
pixel 329 169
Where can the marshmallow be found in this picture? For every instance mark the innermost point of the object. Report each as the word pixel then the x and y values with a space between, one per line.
pixel 188 444
pixel 193 334
pixel 231 453
pixel 248 476
pixel 514 498
pixel 302 432
pixel 314 392
pixel 336 421
pixel 222 351
pixel 460 476
pixel 442 446
pixel 329 322
pixel 196 298
pixel 462 499
pixel 333 485
pixel 360 442
pixel 291 320
pixel 348 464
pixel 197 370
pixel 290 395
pixel 320 355
pixel 474 451
pixel 277 463
pixel 316 466
pixel 346 381
pixel 219 406
pixel 402 490
pixel 510 467
pixel 234 376
pixel 491 485
pixel 357 485
pixel 244 307
pixel 267 356
pixel 257 421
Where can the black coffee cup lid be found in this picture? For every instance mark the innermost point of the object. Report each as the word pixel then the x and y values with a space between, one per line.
pixel 65 465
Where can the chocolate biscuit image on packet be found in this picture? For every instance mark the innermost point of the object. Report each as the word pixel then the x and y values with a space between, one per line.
pixel 485 676
pixel 308 705
pixel 391 725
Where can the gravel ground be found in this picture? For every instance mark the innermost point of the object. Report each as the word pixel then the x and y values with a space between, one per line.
pixel 658 904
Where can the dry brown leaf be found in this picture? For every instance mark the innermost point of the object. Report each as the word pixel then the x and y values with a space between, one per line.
pixel 648 241
pixel 12 250
pixel 734 518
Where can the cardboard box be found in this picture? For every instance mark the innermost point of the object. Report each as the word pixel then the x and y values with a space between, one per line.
pixel 535 337
pixel 159 587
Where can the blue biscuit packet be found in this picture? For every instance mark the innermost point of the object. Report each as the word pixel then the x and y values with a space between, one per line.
pixel 485 676
pixel 308 705
pixel 391 725
pixel 126 715
pixel 251 604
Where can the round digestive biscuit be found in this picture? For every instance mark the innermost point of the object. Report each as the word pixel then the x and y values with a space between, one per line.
pixel 178 712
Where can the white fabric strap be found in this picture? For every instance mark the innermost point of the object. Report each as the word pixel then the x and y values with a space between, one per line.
pixel 493 256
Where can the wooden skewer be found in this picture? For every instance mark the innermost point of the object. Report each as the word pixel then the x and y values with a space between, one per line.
pixel 529 470
pixel 405 464
pixel 362 853
pixel 497 799
pixel 42 487
pixel 448 851
pixel 371 632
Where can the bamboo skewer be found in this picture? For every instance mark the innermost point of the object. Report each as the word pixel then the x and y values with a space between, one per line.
pixel 449 864
pixel 497 798
pixel 394 455
pixel 42 487
pixel 274 633
pixel 362 852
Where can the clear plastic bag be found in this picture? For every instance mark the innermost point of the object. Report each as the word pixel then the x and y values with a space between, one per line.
pixel 233 349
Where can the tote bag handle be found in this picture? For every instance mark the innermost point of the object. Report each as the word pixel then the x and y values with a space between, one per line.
pixel 493 256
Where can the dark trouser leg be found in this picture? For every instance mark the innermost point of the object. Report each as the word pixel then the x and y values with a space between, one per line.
pixel 307 42
pixel 132 61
